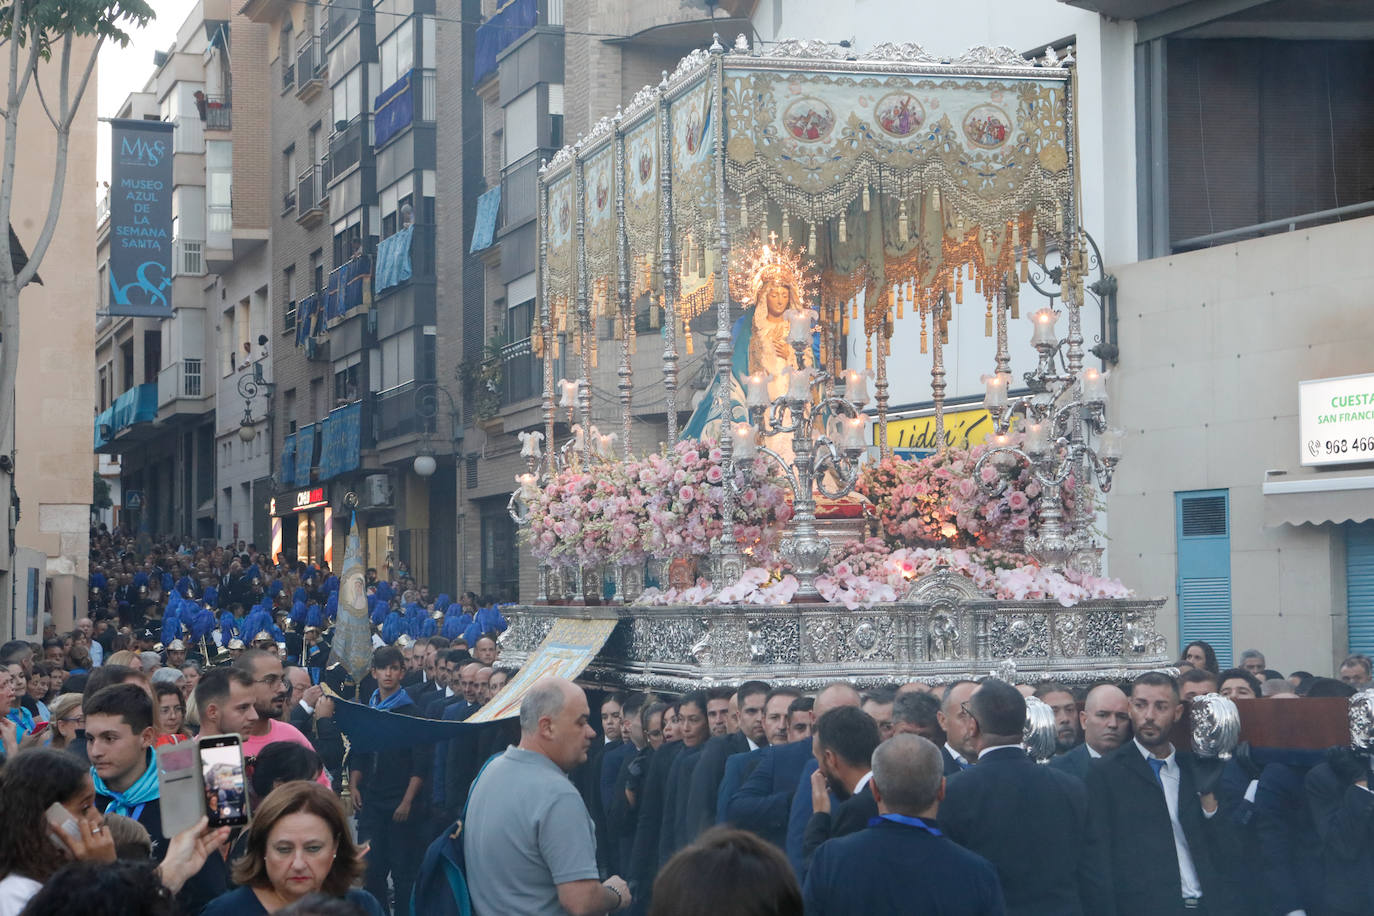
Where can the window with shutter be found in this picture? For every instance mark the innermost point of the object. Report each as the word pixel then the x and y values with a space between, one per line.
pixel 1359 586
pixel 1203 535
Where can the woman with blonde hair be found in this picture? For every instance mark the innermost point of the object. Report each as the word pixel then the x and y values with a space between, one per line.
pixel 298 844
pixel 66 720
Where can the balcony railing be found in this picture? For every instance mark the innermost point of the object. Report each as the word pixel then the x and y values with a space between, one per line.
pixel 310 66
pixel 397 415
pixel 311 194
pixel 288 71
pixel 183 379
pixel 188 259
pixel 218 114
pixel 346 146
pixel 342 15
pixel 288 199
pixel 522 374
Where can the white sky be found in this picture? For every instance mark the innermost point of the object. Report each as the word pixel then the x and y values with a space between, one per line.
pixel 126 70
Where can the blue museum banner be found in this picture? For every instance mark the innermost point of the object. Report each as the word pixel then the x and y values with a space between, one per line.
pixel 141 218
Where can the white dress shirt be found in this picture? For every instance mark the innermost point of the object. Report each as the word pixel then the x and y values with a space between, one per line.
pixel 1169 776
pixel 958 757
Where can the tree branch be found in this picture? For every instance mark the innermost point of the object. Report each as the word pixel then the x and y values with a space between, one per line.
pixel 11 147
pixel 81 88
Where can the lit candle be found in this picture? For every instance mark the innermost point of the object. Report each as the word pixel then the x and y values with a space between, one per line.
pixel 756 388
pixel 996 396
pixel 1094 385
pixel 1044 328
pixel 744 447
pixel 799 384
pixel 856 386
pixel 1037 439
pixel 853 432
pixel 1110 442
pixel 569 393
pixel 799 325
pixel 528 490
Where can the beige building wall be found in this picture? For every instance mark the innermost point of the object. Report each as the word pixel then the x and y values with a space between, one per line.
pixel 1214 344
pixel 53 458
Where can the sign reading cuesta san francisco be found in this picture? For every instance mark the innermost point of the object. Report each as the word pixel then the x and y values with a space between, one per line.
pixel 1336 420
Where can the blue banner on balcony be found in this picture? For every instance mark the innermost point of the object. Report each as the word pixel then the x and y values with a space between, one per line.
pixel 141 218
pixel 513 19
pixel 395 109
pixel 488 210
pixel 342 443
pixel 393 259
pixel 288 460
pixel 305 317
pixel 349 287
pixel 305 455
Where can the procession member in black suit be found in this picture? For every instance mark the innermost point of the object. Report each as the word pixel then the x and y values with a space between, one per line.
pixel 710 769
pixel 1343 809
pixel 958 751
pixel 1155 812
pixel 843 743
pixel 1106 720
pixel 1029 821
pixel 902 863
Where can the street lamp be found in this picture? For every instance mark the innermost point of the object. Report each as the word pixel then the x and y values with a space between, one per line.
pixel 426 409
pixel 250 386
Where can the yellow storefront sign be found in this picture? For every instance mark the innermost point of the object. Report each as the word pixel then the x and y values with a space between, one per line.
pixel 963 429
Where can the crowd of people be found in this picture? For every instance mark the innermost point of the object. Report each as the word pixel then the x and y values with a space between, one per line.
pixel 751 799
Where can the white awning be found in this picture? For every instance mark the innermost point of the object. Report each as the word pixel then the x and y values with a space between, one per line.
pixel 1317 499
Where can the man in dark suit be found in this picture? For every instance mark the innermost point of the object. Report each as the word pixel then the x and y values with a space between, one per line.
pixel 903 863
pixel 1106 721
pixel 958 752
pixel 1154 809
pixel 694 727
pixel 1343 810
pixel 710 768
pixel 843 743
pixel 1029 821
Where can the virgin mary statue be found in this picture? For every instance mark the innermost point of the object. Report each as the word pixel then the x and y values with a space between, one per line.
pixel 759 347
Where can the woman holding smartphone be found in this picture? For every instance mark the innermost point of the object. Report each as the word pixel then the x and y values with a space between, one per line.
pixel 298 844
pixel 50 819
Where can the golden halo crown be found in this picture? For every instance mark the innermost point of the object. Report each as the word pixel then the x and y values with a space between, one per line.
pixel 769 260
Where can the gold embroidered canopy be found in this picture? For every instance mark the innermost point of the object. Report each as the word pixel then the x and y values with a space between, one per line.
pixel 900 174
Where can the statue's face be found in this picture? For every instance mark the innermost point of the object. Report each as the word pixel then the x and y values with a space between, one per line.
pixel 775 298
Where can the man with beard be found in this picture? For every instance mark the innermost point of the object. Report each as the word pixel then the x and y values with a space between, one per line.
pixel 1155 811
pixel 710 769
pixel 843 744
pixel 269 700
pixel 1106 720
pixel 1067 732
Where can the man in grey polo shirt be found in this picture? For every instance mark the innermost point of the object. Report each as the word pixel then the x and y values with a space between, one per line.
pixel 529 843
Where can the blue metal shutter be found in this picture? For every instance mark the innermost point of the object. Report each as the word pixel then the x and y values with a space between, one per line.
pixel 1203 533
pixel 1359 585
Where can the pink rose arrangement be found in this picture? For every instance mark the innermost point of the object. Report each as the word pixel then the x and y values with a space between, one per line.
pixel 937 502
pixel 659 505
pixel 867 572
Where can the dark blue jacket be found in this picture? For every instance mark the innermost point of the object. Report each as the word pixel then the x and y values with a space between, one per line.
pixel 738 767
pixel 763 803
pixel 894 868
pixel 434 893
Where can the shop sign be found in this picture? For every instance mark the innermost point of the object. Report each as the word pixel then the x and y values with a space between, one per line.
pixel 1336 420
pixel 914 437
pixel 301 501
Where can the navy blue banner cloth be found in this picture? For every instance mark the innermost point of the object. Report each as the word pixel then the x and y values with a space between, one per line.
pixel 140 265
pixel 371 730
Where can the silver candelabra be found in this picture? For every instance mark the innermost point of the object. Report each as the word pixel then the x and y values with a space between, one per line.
pixel 801 413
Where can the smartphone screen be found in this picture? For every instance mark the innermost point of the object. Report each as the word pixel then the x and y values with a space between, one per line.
pixel 226 787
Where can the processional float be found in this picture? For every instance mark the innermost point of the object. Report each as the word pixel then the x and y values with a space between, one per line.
pixel 812 202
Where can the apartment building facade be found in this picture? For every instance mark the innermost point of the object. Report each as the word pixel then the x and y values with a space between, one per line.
pixel 545 71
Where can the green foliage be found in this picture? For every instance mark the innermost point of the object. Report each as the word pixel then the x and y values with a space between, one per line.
pixel 100 492
pixel 50 20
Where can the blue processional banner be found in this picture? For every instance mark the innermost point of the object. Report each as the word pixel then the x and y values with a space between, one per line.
pixel 140 266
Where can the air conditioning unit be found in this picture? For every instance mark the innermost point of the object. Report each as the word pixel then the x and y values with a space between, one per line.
pixel 376 491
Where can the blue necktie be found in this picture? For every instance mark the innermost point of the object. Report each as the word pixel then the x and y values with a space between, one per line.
pixel 1158 766
pixel 963 764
